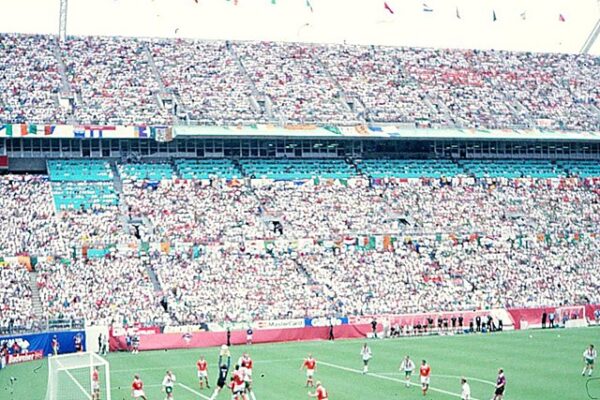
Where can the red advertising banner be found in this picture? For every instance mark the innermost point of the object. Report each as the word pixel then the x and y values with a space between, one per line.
pixel 212 339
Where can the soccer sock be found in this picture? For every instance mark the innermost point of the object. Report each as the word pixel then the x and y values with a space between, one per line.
pixel 365 369
pixel 252 396
pixel 583 372
pixel 590 372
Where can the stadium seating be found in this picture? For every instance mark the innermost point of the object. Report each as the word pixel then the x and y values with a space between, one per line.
pixel 146 171
pixel 79 170
pixel 512 169
pixel 583 169
pixel 410 168
pixel 115 82
pixel 207 168
pixel 291 169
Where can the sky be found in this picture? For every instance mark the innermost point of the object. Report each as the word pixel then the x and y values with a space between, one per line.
pixel 331 21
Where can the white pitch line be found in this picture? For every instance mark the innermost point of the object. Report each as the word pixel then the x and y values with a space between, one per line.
pixel 389 378
pixel 189 389
pixel 194 366
pixel 443 376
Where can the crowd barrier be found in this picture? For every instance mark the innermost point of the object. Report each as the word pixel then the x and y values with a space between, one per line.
pixel 35 346
pixel 211 339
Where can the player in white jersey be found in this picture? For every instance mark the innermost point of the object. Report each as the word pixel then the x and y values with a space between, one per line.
pixel 465 393
pixel 168 383
pixel 366 355
pixel 407 366
pixel 589 358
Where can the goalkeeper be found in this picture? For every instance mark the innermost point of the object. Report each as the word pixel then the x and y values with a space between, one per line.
pixel 223 371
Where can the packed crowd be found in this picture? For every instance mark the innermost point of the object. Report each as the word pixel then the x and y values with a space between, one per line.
pixel 225 83
pixel 16 307
pixel 459 244
pixel 114 81
pixel 29 80
pixel 206 79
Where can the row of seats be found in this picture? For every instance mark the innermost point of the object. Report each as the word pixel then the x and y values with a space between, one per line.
pixel 584 169
pixel 512 169
pixel 79 170
pixel 146 171
pixel 410 168
pixel 207 168
pixel 83 195
pixel 290 169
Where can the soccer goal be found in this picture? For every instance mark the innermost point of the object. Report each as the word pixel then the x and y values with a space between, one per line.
pixel 70 377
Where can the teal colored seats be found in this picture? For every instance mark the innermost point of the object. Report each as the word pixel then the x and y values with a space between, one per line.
pixel 396 168
pixel 146 171
pixel 79 170
pixel 207 168
pixel 581 168
pixel 297 169
pixel 83 195
pixel 512 168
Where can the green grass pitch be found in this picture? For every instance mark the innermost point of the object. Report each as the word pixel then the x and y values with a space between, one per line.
pixel 545 366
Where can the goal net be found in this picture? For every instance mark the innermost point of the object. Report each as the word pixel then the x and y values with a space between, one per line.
pixel 71 377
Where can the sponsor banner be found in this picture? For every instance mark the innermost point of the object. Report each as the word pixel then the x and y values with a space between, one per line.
pixel 27 356
pixel 238 337
pixel 281 324
pixel 23 344
pixel 143 330
pixel 325 321
pixel 183 329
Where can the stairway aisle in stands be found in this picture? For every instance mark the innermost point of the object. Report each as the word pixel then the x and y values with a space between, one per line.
pixel 35 297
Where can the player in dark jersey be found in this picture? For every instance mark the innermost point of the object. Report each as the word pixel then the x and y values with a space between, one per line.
pixel 500 385
pixel 222 379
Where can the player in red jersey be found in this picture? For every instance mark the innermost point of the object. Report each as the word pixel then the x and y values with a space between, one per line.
pixel 202 366
pixel 246 363
pixel 425 372
pixel 311 365
pixel 320 393
pixel 239 384
pixel 95 384
pixel 137 388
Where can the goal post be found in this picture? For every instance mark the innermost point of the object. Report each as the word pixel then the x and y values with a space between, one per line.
pixel 70 377
pixel 571 316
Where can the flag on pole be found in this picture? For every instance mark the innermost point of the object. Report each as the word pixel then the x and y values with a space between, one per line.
pixel 309 5
pixel 494 15
pixel 426 8
pixel 561 18
pixel 387 7
pixel 457 13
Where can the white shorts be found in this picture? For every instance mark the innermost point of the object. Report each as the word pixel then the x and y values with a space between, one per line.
pixel 239 388
pixel 95 386
pixel 424 380
pixel 138 393
pixel 248 373
pixel 248 338
pixel 310 373
pixel 202 374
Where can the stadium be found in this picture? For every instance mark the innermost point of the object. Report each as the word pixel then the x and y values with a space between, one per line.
pixel 345 200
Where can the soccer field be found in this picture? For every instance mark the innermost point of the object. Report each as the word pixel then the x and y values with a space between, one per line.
pixel 545 366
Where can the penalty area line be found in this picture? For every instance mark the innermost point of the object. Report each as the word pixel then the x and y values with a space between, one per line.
pixel 389 378
pixel 189 389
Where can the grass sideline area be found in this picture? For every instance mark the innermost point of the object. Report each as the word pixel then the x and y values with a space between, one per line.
pixel 546 366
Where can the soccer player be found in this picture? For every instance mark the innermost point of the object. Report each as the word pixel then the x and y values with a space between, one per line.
pixel 135 343
pixel 407 366
pixel 320 393
pixel 500 385
pixel 366 354
pixel 245 363
pixel 239 384
pixel 55 345
pixel 589 357
pixel 223 371
pixel 137 388
pixel 168 383
pixel 311 365
pixel 78 343
pixel 425 372
pixel 249 333
pixel 95 384
pixel 465 390
pixel 202 366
